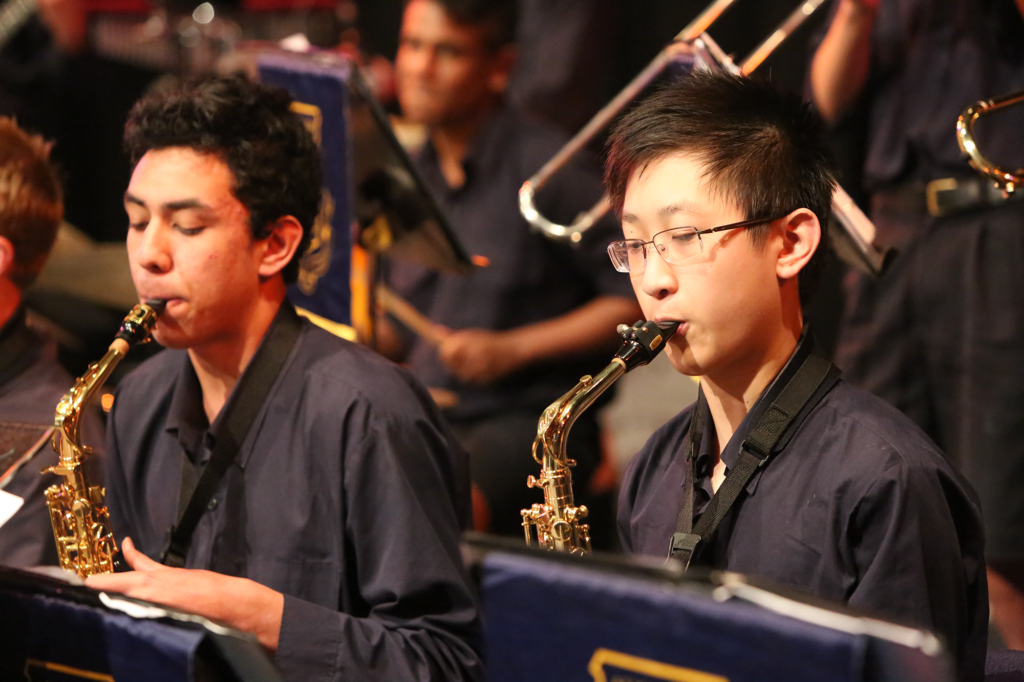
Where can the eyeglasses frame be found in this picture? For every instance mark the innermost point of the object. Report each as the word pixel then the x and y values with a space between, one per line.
pixel 710 230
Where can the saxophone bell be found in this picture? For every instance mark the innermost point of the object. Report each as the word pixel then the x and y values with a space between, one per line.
pixel 557 523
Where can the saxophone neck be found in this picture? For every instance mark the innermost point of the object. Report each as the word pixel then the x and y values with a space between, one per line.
pixel 69 410
pixel 135 329
pixel 562 414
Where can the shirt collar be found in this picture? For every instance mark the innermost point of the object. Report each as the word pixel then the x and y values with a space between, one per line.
pixel 485 151
pixel 19 346
pixel 187 420
pixel 731 451
pixel 16 321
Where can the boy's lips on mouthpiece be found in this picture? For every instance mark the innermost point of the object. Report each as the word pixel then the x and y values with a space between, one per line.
pixel 666 324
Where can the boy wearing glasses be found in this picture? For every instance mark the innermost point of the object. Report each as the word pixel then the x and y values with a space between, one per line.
pixel 723 187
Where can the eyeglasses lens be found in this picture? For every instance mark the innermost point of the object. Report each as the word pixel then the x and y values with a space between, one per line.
pixel 675 246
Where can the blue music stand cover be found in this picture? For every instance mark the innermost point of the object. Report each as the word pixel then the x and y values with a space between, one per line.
pixel 560 621
pixel 56 632
pixel 320 91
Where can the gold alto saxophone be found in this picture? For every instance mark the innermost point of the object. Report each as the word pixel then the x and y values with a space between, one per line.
pixel 558 520
pixel 81 523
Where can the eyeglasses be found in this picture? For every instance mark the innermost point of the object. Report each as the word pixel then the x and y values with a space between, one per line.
pixel 675 245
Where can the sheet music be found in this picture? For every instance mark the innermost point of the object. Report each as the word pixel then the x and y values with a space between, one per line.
pixel 9 506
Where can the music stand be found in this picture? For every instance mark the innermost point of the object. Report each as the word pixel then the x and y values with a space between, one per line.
pixel 53 630
pixel 386 184
pixel 377 188
pixel 384 181
pixel 551 616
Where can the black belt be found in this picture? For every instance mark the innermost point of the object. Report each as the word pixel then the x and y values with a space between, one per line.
pixel 941 197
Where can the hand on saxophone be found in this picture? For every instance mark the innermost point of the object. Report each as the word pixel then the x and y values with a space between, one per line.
pixel 237 602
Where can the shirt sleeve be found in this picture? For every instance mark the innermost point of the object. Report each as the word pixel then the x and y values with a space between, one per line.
pixel 627 500
pixel 408 612
pixel 917 543
pixel 853 121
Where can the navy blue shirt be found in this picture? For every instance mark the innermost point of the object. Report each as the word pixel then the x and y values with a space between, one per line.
pixel 347 495
pixel 529 278
pixel 930 60
pixel 30 389
pixel 857 506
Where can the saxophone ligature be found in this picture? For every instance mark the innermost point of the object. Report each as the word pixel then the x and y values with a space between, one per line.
pixel 81 523
pixel 557 523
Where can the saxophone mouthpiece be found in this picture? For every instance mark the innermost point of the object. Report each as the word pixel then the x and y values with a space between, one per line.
pixel 139 323
pixel 668 328
pixel 643 341
pixel 157 304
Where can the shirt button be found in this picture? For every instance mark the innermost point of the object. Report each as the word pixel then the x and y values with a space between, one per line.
pixel 213 504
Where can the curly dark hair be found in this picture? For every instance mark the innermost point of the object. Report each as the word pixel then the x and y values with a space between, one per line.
pixel 763 148
pixel 252 129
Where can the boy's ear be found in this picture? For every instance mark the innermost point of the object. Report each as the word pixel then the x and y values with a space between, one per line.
pixel 280 245
pixel 6 256
pixel 801 235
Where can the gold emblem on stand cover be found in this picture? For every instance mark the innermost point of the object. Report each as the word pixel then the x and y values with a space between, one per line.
pixel 81 523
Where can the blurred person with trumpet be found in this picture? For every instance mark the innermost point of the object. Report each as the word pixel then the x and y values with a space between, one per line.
pixel 780 469
pixel 535 315
pixel 263 472
pixel 941 335
pixel 31 380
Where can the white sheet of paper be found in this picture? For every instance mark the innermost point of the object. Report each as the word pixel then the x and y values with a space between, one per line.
pixel 9 505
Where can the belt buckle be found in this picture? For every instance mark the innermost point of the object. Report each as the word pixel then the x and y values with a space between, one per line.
pixel 933 193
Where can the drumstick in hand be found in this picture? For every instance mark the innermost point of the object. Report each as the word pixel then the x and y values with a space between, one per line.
pixel 405 313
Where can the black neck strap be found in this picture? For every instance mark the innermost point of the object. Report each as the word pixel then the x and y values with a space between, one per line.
pixel 246 400
pixel 755 452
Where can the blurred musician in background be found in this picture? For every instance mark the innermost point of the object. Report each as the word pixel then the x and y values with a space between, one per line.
pixel 941 335
pixel 332 534
pixel 722 185
pixel 55 84
pixel 568 52
pixel 31 380
pixel 537 315
pixel 36 53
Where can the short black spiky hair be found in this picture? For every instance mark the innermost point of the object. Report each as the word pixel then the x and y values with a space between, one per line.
pixel 762 148
pixel 498 17
pixel 249 126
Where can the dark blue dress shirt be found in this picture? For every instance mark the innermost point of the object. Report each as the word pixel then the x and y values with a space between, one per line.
pixel 857 505
pixel 347 495
pixel 529 278
pixel 930 60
